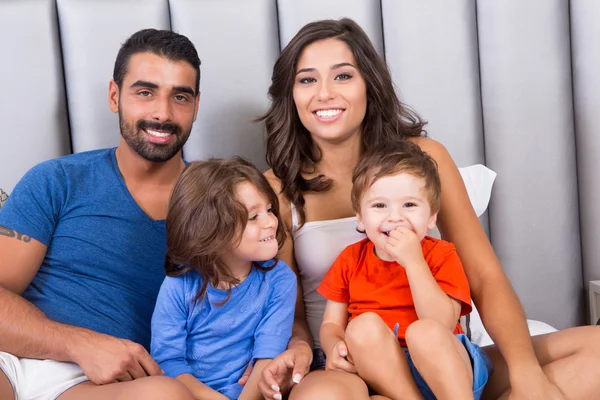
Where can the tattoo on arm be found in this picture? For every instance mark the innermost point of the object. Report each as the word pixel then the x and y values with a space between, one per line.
pixel 4 231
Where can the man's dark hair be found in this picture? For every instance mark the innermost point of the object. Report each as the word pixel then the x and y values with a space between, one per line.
pixel 163 43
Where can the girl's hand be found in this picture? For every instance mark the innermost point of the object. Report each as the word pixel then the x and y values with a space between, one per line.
pixel 337 361
pixel 404 246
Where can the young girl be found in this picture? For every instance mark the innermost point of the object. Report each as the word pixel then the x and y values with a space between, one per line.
pixel 226 301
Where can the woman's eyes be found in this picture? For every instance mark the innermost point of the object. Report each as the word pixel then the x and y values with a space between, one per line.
pixel 306 80
pixel 339 77
pixel 343 77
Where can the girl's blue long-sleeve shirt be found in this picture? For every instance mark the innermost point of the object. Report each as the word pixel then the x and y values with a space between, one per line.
pixel 215 343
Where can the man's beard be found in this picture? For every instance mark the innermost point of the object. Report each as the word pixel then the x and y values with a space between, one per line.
pixel 134 137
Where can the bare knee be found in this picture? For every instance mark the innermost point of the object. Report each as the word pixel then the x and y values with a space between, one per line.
pixel 162 387
pixel 421 334
pixel 365 331
pixel 594 342
pixel 331 385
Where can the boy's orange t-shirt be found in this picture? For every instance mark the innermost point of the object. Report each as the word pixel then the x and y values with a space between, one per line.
pixel 369 284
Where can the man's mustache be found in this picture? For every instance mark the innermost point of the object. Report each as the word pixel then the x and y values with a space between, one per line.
pixel 169 127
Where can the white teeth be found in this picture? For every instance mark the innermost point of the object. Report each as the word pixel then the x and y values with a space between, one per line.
pixel 328 113
pixel 158 134
pixel 267 239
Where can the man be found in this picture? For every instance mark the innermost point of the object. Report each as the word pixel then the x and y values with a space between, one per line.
pixel 82 241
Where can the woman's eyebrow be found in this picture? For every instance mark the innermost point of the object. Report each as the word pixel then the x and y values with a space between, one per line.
pixel 334 66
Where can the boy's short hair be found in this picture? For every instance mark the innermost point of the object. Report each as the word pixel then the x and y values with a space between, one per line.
pixel 392 158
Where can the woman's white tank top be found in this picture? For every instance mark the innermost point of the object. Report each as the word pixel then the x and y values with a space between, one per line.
pixel 316 246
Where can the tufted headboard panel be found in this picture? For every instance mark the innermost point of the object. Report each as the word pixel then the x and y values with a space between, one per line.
pixel 511 84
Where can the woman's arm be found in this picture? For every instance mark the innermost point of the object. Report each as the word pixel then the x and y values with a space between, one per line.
pixel 497 302
pixel 294 363
pixel 301 336
pixel 300 333
pixel 199 389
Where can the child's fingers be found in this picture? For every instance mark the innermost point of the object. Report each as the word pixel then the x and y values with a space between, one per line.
pixel 242 381
pixel 344 365
pixel 342 349
pixel 340 361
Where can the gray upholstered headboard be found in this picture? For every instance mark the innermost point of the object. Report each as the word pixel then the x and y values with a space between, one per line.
pixel 512 84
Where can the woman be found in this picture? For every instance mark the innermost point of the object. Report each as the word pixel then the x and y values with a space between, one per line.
pixel 332 99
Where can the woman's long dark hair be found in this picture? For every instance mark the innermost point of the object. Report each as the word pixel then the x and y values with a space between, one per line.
pixel 206 219
pixel 290 148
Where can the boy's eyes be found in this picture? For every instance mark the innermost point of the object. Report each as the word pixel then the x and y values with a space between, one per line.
pixel 382 205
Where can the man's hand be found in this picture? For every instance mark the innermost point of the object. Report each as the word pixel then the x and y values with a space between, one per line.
pixel 404 246
pixel 336 359
pixel 284 371
pixel 106 359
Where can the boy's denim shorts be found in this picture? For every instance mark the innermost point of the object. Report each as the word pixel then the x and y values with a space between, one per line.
pixel 482 368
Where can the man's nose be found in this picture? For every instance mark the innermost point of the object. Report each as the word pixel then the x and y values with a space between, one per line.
pixel 162 110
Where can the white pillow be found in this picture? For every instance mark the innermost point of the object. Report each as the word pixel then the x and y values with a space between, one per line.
pixel 479 180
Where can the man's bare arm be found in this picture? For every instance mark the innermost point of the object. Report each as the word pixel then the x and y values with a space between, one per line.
pixel 25 331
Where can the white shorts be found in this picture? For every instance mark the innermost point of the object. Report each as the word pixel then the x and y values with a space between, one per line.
pixel 40 379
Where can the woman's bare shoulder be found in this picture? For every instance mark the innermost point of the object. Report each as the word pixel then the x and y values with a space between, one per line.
pixel 432 147
pixel 273 180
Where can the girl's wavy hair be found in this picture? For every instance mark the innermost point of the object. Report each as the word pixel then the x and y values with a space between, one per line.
pixel 290 148
pixel 206 219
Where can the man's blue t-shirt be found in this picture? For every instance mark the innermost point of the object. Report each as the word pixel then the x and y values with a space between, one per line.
pixel 214 342
pixel 104 263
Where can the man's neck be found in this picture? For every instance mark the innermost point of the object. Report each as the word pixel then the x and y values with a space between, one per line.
pixel 136 169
